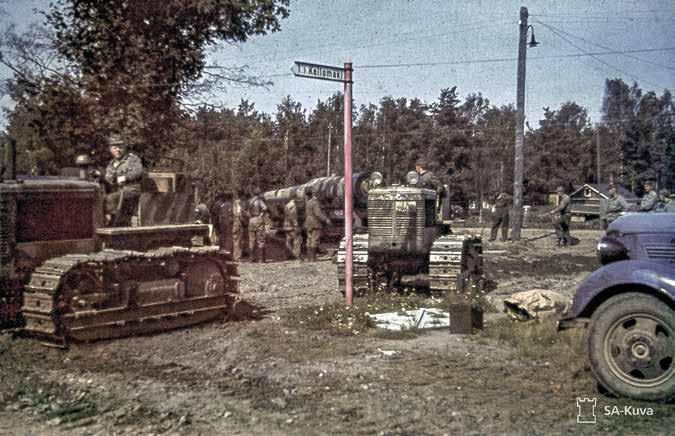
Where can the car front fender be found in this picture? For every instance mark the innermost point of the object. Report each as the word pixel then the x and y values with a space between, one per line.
pixel 658 277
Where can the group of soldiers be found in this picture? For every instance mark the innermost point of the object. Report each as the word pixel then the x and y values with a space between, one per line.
pixel 562 213
pixel 254 216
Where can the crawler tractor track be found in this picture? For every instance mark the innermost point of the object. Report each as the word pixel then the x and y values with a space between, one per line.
pixel 115 293
pixel 454 262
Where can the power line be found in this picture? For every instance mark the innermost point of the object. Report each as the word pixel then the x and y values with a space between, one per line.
pixel 564 38
pixel 490 60
pixel 608 48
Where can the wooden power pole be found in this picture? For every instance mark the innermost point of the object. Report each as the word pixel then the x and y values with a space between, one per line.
pixel 519 167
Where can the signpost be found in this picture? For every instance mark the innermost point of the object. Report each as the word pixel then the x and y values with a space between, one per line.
pixel 344 75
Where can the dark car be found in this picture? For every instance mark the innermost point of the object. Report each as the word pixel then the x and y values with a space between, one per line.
pixel 628 306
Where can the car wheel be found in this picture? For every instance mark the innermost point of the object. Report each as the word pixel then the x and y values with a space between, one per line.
pixel 631 346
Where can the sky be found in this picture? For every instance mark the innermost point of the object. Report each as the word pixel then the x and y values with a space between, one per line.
pixel 415 48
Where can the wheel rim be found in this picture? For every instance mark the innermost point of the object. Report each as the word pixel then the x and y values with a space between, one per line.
pixel 638 350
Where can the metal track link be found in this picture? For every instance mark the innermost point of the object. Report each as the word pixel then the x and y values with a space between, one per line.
pixel 49 314
pixel 360 281
pixel 452 259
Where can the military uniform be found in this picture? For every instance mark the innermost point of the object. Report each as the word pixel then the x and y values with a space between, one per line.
pixel 615 205
pixel 562 222
pixel 503 204
pixel 256 228
pixel 123 176
pixel 428 180
pixel 314 220
pixel 292 228
pixel 649 202
pixel 239 221
pixel 666 203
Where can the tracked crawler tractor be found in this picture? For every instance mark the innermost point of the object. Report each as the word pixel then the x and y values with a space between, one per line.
pixel 409 235
pixel 64 276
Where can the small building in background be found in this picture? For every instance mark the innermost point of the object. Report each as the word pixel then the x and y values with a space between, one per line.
pixel 589 201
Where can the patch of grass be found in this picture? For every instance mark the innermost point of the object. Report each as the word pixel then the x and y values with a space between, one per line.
pixel 340 319
pixel 537 340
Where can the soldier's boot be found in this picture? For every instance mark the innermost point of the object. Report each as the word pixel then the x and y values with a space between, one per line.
pixel 263 258
pixel 312 254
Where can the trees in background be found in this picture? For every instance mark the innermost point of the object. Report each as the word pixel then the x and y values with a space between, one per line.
pixel 128 66
pixel 137 68
pixel 639 134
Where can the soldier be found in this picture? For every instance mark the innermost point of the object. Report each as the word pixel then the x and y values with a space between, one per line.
pixel 314 219
pixel 239 223
pixel 562 223
pixel 666 204
pixel 427 180
pixel 650 200
pixel 256 227
pixel 292 226
pixel 123 178
pixel 616 204
pixel 501 216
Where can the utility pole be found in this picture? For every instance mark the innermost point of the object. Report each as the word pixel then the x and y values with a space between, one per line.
pixel 519 167
pixel 330 131
pixel 597 152
pixel 286 155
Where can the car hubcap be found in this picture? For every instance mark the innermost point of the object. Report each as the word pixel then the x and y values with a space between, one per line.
pixel 639 350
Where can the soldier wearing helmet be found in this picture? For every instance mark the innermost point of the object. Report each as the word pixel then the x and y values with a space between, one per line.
pixel 123 178
pixel 257 210
pixel 292 225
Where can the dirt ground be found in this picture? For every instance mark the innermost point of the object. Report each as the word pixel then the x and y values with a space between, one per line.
pixel 301 363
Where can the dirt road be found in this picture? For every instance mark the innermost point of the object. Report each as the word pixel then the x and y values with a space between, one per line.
pixel 307 365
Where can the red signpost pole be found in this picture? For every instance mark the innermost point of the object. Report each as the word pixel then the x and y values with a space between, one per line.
pixel 348 182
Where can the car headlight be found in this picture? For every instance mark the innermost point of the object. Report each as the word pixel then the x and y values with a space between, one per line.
pixel 611 250
pixel 412 178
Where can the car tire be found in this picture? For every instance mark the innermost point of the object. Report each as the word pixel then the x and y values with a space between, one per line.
pixel 631 344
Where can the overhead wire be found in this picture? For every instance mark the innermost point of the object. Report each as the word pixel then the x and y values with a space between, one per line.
pixel 512 59
pixel 564 38
pixel 604 47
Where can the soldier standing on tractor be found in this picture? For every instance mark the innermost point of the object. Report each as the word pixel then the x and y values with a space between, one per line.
pixel 292 226
pixel 314 220
pixel 427 180
pixel 256 227
pixel 562 222
pixel 123 178
pixel 500 216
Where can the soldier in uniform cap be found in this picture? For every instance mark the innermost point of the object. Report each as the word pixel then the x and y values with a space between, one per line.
pixel 650 200
pixel 292 226
pixel 123 178
pixel 256 226
pixel 616 204
pixel 562 222
pixel 427 180
pixel 500 216
pixel 314 220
